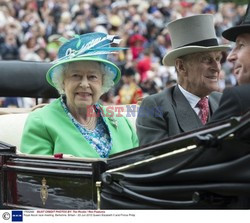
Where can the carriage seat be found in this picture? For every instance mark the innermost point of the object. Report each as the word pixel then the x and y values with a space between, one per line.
pixel 12 122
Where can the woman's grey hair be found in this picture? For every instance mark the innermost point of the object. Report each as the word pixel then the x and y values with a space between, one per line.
pixel 60 71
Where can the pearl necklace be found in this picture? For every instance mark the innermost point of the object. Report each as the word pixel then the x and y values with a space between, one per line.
pixel 91 124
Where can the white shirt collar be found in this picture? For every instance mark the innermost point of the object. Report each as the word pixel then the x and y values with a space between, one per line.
pixel 192 99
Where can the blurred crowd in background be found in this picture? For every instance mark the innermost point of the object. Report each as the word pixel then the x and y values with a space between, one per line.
pixel 30 29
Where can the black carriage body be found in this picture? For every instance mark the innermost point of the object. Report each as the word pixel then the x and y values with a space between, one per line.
pixel 33 182
pixel 205 169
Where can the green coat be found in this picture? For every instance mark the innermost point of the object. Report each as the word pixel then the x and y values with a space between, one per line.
pixel 49 131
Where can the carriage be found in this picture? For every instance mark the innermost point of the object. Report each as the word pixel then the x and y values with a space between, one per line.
pixel 204 169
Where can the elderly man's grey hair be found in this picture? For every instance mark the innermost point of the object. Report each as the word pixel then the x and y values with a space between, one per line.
pixel 59 75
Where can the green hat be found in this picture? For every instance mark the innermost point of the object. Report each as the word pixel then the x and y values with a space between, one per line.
pixel 88 47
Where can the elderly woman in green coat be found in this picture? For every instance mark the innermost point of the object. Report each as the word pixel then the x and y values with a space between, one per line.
pixel 76 123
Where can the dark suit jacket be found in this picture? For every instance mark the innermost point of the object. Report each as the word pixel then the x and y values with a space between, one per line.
pixel 235 101
pixel 168 113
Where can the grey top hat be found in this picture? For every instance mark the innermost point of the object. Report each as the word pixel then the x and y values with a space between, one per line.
pixel 244 27
pixel 192 34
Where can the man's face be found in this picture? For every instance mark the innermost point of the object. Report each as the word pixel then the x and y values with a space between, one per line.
pixel 201 73
pixel 240 56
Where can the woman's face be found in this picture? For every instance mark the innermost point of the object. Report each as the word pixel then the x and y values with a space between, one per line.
pixel 82 84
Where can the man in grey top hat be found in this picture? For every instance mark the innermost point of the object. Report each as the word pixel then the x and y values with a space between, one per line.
pixel 235 101
pixel 186 106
